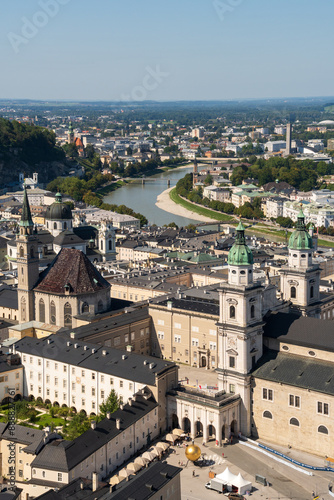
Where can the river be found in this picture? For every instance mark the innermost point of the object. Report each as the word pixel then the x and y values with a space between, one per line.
pixel 142 198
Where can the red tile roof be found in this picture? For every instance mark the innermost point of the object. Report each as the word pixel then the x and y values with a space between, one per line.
pixel 71 268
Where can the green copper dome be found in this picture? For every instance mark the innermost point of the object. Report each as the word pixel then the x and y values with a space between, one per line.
pixel 240 254
pixel 300 239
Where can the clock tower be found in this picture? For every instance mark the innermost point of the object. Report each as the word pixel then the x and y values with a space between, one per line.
pixel 27 263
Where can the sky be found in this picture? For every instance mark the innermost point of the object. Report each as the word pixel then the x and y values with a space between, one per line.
pixel 136 50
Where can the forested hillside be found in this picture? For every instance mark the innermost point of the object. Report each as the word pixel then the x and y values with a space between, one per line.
pixel 27 148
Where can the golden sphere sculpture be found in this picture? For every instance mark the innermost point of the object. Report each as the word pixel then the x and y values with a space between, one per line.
pixel 193 452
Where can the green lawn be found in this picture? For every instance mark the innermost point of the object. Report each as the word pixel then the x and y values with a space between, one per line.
pixel 46 420
pixel 199 210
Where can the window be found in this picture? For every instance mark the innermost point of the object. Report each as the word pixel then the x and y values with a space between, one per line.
pixel 48 364
pixel 294 401
pixel 231 361
pixel 133 335
pixel 232 312
pixel 293 292
pixel 93 376
pixel 102 379
pixel 102 394
pixel 177 325
pixel 68 315
pixel 267 394
pixel 322 429
pixel 83 389
pixel 323 408
pixel 213 346
pixel 60 476
pixel 73 371
pixel 52 313
pixel 83 402
pixel 48 379
pixel 56 381
pixel 130 386
pixel 73 386
pixel 111 381
pixel 85 308
pixel 174 349
pixel 142 332
pixel 117 341
pixel 195 329
pixel 82 373
pixel 267 414
pixel 232 389
pixel 161 322
pixel 126 338
pixel 161 335
pixel 213 332
pixel 39 362
pixel 294 421
pixel 65 369
pixel 311 292
pixel 41 311
pixel 121 383
pixel 252 312
pixel 177 339
pixel 186 352
pixel 194 342
pixel 56 366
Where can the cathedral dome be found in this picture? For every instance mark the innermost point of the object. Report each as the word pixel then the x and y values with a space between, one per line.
pixel 240 254
pixel 58 210
pixel 300 239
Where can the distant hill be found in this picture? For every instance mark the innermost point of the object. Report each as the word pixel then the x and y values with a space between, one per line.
pixel 27 148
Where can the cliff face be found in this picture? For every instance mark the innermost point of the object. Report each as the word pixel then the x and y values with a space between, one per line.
pixel 11 167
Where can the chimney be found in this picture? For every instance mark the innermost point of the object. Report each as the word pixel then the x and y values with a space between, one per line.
pixel 95 481
pixel 108 415
pixel 129 348
pixel 82 485
pixel 68 343
pixel 118 421
pixel 130 401
pixel 104 352
pixel 93 426
pixel 124 356
pixel 76 346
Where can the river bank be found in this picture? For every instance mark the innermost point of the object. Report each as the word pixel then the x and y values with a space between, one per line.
pixel 165 203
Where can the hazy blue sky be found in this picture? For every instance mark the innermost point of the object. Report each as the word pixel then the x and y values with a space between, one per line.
pixel 201 49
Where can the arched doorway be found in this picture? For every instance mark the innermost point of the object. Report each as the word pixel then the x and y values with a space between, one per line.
pixel 186 425
pixel 199 428
pixel 234 427
pixel 175 421
pixel 223 432
pixel 212 432
pixel 18 397
pixel 203 361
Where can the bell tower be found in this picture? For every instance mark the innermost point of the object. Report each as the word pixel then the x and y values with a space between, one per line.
pixel 107 241
pixel 240 327
pixel 300 279
pixel 27 262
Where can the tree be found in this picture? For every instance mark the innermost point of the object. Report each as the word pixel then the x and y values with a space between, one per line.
pixel 172 224
pixel 79 424
pixel 110 405
pixel 208 180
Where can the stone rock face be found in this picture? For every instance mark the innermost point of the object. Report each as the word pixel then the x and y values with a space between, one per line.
pixel 10 168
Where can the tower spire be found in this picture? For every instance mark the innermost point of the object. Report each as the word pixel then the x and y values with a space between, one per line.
pixel 26 219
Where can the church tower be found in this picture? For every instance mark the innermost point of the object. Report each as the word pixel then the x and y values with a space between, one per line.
pixel 107 241
pixel 70 134
pixel 27 263
pixel 300 279
pixel 240 328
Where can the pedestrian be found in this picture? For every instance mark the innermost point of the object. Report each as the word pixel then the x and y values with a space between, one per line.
pixel 231 439
pixel 193 473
